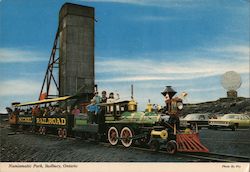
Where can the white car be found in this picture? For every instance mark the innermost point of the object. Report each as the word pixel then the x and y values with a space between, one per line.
pixel 231 121
pixel 191 120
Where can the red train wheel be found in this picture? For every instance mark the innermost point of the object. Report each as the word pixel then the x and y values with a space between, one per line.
pixel 154 145
pixel 64 131
pixel 171 147
pixel 40 130
pixel 33 129
pixel 113 136
pixel 59 132
pixel 126 137
pixel 20 127
pixel 43 130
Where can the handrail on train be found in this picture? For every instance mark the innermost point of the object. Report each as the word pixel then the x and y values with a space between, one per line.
pixel 44 101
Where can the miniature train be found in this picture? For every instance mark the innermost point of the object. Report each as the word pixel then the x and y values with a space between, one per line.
pixel 117 122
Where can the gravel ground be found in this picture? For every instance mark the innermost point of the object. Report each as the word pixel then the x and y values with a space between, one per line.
pixel 227 141
pixel 30 147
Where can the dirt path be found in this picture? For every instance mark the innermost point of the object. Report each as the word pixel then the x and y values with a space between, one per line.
pixel 36 148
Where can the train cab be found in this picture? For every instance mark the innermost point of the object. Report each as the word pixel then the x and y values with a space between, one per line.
pixel 112 111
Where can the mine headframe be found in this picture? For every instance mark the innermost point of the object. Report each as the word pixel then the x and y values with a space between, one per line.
pixel 49 77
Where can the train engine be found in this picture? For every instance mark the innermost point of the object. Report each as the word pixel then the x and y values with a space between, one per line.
pixel 168 135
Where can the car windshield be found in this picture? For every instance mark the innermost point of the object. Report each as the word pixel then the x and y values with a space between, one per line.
pixel 230 117
pixel 247 117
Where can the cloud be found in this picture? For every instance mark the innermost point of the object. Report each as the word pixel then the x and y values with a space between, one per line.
pixel 204 89
pixel 19 87
pixel 153 18
pixel 12 55
pixel 168 3
pixel 20 90
pixel 236 51
pixel 136 2
pixel 22 87
pixel 202 63
pixel 196 72
pixel 157 3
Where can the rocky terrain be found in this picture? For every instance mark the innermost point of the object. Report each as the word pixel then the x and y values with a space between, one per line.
pixel 220 106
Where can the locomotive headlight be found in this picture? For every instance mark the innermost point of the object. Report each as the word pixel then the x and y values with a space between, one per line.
pixel 179 105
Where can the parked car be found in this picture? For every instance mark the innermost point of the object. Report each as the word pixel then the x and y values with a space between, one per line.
pixel 191 120
pixel 231 121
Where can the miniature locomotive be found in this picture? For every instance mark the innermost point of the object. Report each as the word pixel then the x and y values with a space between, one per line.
pixel 118 122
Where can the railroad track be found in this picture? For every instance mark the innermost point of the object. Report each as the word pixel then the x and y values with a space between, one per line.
pixel 198 157
pixel 204 157
pixel 216 157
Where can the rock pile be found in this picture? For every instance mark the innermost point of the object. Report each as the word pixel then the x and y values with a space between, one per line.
pixel 220 106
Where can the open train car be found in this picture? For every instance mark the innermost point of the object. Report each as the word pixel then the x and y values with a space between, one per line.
pixel 25 116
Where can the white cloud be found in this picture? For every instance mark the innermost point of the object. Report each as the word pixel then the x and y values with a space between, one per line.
pixel 149 75
pixel 238 52
pixel 22 87
pixel 19 87
pixel 157 3
pixel 175 3
pixel 11 55
pixel 203 63
pixel 20 90
pixel 204 89
pixel 153 18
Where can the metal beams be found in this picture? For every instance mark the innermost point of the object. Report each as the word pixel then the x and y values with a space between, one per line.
pixel 53 63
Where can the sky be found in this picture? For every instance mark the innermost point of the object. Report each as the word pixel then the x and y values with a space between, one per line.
pixel 188 44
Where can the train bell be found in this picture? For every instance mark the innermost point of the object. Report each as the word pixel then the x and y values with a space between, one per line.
pixel 132 105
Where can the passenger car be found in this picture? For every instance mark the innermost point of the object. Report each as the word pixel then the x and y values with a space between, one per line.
pixel 231 121
pixel 191 120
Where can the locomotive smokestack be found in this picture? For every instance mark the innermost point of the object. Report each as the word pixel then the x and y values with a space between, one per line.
pixel 170 91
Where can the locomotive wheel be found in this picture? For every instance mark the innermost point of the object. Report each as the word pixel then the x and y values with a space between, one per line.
pixel 171 147
pixel 33 129
pixel 126 135
pixel 40 130
pixel 59 132
pixel 113 136
pixel 154 145
pixel 64 133
pixel 20 127
pixel 144 141
pixel 43 130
